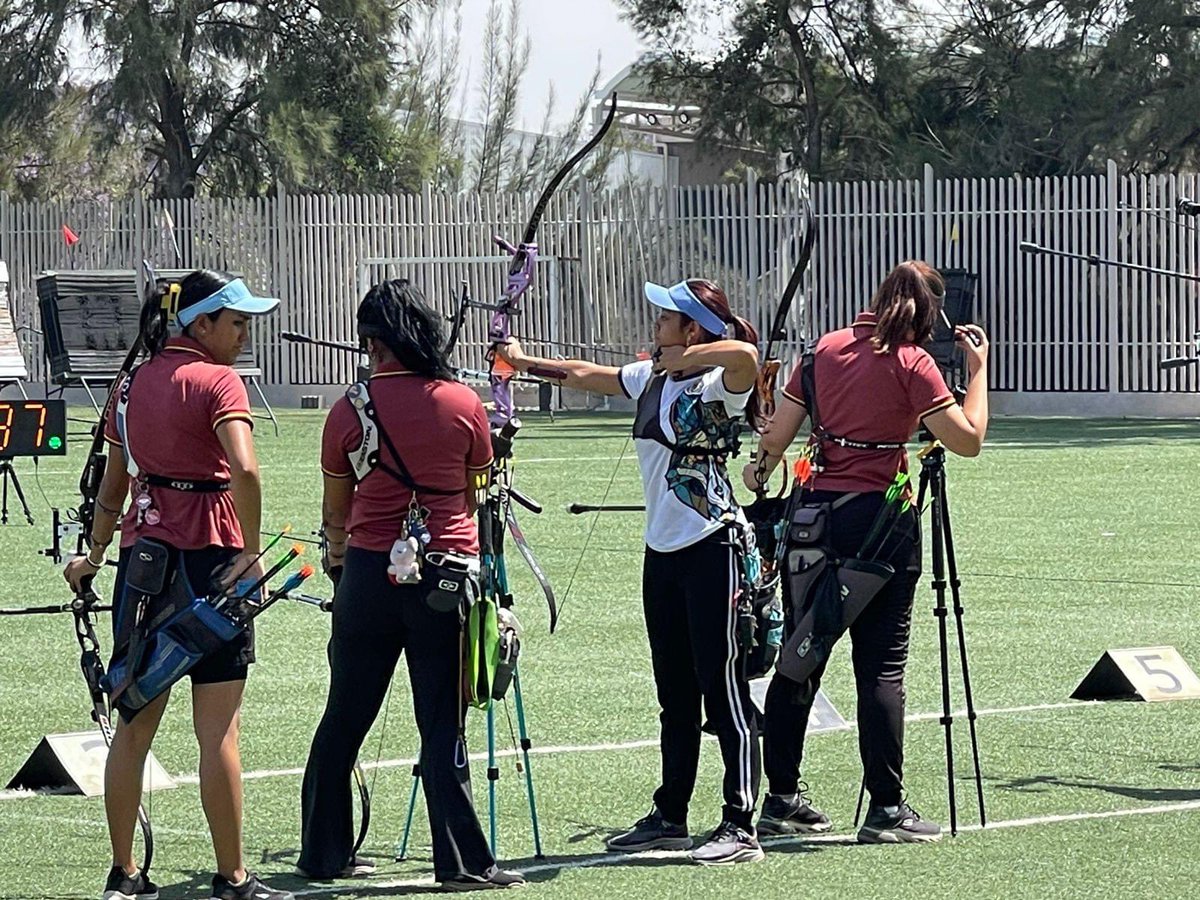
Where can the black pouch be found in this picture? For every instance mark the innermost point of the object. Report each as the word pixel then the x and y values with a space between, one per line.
pixel 147 575
pixel 809 524
pixel 451 581
pixel 149 564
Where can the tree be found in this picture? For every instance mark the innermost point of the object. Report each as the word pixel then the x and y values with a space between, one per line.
pixel 865 89
pixel 783 69
pixel 212 88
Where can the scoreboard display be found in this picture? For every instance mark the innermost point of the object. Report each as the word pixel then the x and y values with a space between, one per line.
pixel 33 428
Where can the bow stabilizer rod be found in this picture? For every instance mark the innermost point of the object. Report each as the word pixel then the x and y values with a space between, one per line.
pixel 1094 260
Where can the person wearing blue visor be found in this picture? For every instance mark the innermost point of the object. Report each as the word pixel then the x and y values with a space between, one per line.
pixel 693 397
pixel 180 444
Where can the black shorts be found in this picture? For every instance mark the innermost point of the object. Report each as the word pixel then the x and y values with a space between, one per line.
pixel 232 661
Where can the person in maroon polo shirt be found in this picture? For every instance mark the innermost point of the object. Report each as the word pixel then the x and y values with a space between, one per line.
pixel 186 420
pixel 874 385
pixel 434 450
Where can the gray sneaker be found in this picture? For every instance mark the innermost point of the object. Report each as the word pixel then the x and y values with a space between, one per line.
pixel 791 814
pixel 897 825
pixel 651 832
pixel 727 845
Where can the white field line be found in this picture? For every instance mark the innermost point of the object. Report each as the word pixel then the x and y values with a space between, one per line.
pixel 192 779
pixel 616 859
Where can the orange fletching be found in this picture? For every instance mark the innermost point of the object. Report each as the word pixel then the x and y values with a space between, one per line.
pixel 307 571
pixel 803 470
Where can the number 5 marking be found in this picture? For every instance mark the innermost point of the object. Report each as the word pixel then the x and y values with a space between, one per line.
pixel 1144 661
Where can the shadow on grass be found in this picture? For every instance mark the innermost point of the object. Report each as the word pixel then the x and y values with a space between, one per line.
pixel 1039 784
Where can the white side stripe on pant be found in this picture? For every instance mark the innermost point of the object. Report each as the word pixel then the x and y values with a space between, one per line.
pixel 737 713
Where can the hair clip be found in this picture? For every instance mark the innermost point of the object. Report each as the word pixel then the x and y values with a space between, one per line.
pixel 170 301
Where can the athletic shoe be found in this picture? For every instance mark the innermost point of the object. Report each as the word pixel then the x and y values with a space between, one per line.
pixel 357 867
pixel 897 825
pixel 497 879
pixel 727 845
pixel 651 832
pixel 791 814
pixel 250 889
pixel 122 887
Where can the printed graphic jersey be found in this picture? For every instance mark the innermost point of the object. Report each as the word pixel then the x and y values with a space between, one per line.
pixel 688 496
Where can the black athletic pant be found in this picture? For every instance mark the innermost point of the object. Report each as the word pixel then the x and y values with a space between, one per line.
pixel 880 652
pixel 375 621
pixel 691 621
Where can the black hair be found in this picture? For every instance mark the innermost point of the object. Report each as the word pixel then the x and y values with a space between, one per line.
pixel 713 297
pixel 194 287
pixel 396 313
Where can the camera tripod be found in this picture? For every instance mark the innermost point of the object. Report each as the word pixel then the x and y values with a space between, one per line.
pixel 9 475
pixel 933 484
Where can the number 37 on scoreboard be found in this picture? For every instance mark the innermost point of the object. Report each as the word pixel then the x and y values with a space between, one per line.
pixel 33 428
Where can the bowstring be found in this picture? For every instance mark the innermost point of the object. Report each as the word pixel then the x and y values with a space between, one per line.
pixel 612 478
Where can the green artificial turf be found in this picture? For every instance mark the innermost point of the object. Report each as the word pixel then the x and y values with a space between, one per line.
pixel 1072 537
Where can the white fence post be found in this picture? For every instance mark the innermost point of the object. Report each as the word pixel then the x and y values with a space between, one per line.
pixel 1111 249
pixel 928 217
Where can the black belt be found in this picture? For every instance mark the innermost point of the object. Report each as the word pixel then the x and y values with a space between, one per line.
pixel 187 485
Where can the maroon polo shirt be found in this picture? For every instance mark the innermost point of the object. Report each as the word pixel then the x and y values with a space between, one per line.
pixel 178 398
pixel 869 396
pixel 440 430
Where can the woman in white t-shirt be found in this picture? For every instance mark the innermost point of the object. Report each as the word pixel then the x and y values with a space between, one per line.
pixel 692 396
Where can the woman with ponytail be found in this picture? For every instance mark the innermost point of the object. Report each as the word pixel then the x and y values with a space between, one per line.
pixel 179 436
pixel 394 513
pixel 692 397
pixel 874 384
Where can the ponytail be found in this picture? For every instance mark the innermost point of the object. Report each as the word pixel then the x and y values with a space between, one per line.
pixel 906 305
pixel 156 312
pixel 711 295
pixel 154 318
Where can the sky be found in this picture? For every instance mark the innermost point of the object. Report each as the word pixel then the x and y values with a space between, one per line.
pixel 566 36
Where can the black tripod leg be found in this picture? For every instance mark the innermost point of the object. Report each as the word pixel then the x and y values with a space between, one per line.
pixel 862 793
pixel 956 594
pixel 4 505
pixel 937 488
pixel 16 482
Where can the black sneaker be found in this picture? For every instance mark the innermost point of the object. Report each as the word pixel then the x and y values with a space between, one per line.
pixel 250 889
pixel 356 868
pixel 791 814
pixel 122 887
pixel 897 825
pixel 651 832
pixel 497 879
pixel 727 845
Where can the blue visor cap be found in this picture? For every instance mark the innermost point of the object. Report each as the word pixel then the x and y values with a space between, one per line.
pixel 680 298
pixel 235 296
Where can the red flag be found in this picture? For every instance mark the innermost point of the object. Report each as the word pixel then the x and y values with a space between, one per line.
pixel 69 236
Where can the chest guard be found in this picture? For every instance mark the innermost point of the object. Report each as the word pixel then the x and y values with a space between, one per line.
pixel 120 418
pixel 648 426
pixel 365 457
